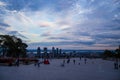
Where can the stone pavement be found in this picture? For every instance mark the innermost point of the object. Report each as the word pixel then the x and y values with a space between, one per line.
pixel 95 69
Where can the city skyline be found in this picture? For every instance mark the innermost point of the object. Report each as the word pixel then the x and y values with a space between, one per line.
pixel 66 24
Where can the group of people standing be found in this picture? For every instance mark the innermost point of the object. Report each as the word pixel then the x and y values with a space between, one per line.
pixel 74 61
pixel 38 62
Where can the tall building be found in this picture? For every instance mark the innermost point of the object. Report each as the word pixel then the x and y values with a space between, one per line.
pixel 45 52
pixel 53 52
pixel 60 51
pixel 57 51
pixel 38 52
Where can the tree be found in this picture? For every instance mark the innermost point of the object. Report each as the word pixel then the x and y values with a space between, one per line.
pixel 14 46
pixel 117 55
pixel 107 53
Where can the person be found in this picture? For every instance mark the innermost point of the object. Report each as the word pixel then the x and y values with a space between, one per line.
pixel 74 61
pixel 46 61
pixel 63 64
pixel 115 65
pixel 68 60
pixel 38 63
pixel 80 58
pixel 17 62
pixel 63 61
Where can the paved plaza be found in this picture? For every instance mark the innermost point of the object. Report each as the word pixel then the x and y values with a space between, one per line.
pixel 94 69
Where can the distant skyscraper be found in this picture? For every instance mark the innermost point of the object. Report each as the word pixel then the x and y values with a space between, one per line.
pixel 38 52
pixel 60 51
pixel 45 52
pixel 57 51
pixel 53 52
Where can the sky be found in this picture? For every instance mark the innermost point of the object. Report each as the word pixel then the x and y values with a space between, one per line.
pixel 66 24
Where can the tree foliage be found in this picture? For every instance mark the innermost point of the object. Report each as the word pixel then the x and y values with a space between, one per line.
pixel 108 53
pixel 117 55
pixel 12 46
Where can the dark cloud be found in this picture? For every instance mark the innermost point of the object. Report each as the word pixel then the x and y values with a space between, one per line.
pixel 16 33
pixel 37 4
pixel 46 34
pixel 113 35
pixel 4 25
pixel 59 38
pixel 80 33
pixel 2 29
pixel 13 32
pixel 63 43
pixel 107 39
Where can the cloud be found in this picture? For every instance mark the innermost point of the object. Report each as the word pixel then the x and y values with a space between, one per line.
pixel 65 23
pixel 46 34
pixel 63 43
pixel 16 33
pixel 45 24
pixel 4 25
pixel 108 35
pixel 2 4
pixel 59 38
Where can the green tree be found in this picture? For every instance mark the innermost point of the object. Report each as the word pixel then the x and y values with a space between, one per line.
pixel 107 53
pixel 117 54
pixel 14 46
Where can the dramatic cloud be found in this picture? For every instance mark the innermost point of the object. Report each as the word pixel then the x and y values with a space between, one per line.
pixel 68 24
pixel 4 25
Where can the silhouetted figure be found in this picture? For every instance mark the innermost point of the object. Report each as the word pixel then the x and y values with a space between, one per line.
pixel 80 58
pixel 115 65
pixel 63 64
pixel 38 63
pixel 68 61
pixel 79 63
pixel 63 61
pixel 35 63
pixel 74 61
pixel 17 62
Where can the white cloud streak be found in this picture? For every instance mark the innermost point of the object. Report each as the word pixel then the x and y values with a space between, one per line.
pixel 72 23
